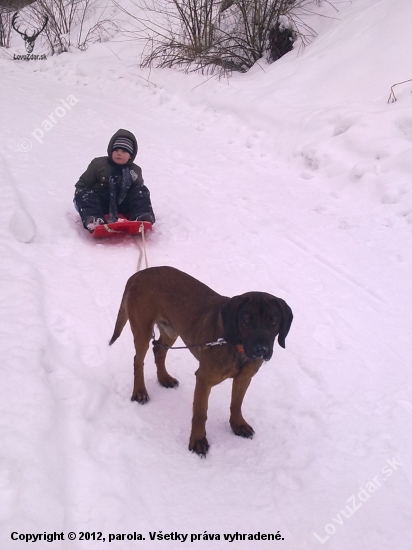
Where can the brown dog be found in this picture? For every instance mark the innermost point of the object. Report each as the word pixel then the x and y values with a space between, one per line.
pixel 183 306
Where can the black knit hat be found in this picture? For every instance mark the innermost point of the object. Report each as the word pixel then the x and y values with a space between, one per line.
pixel 125 144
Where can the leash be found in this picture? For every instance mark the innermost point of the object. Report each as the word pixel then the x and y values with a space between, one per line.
pixel 219 342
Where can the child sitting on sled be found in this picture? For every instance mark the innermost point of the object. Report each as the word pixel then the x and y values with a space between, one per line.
pixel 113 185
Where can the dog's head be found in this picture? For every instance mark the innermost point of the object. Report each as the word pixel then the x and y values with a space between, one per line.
pixel 253 320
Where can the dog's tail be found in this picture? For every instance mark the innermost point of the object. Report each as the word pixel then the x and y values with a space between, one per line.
pixel 122 318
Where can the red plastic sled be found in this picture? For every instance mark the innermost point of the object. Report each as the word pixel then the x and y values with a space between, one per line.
pixel 121 227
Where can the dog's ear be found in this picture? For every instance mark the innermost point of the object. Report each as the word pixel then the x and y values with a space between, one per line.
pixel 230 320
pixel 287 318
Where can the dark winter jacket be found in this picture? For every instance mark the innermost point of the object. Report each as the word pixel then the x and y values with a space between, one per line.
pixel 101 169
pixel 110 188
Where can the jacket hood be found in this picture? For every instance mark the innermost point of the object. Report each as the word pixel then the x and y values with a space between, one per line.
pixel 126 134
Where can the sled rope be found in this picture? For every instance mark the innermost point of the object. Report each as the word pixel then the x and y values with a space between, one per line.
pixel 141 230
pixel 109 229
pixel 134 237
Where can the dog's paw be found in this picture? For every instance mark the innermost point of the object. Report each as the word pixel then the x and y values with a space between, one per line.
pixel 200 447
pixel 243 430
pixel 169 382
pixel 141 398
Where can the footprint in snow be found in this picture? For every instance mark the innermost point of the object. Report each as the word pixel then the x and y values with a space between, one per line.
pixel 405 405
pixel 325 336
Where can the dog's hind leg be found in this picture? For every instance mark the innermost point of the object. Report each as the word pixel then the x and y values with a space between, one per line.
pixel 167 339
pixel 141 343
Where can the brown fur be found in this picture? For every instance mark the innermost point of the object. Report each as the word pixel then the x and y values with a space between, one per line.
pixel 183 306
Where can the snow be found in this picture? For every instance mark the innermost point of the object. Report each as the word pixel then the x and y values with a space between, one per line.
pixel 22 226
pixel 293 179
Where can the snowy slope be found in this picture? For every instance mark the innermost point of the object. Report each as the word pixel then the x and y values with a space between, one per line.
pixel 294 179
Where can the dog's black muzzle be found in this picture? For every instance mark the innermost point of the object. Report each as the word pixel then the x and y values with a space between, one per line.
pixel 259 347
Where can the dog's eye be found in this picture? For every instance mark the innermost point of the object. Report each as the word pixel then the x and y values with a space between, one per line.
pixel 274 321
pixel 246 319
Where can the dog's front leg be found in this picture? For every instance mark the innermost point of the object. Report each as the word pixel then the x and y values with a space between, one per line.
pixel 198 442
pixel 239 425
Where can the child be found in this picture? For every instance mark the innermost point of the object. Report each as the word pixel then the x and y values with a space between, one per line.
pixel 113 185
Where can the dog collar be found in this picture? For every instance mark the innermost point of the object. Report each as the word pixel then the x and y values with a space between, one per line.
pixel 239 348
pixel 242 357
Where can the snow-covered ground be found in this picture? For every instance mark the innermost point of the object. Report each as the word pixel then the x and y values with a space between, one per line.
pixel 294 179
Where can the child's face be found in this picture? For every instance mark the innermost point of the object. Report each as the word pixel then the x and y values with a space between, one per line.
pixel 120 156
